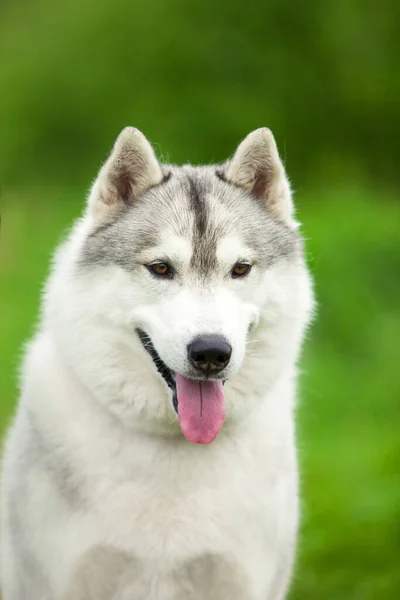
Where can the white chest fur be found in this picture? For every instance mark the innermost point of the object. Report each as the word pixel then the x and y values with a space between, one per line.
pixel 150 516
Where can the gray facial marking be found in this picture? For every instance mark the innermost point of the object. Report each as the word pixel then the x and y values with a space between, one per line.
pixel 189 202
pixel 204 235
pixel 134 229
pixel 196 200
pixel 271 238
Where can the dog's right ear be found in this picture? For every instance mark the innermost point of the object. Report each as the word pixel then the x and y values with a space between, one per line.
pixel 131 169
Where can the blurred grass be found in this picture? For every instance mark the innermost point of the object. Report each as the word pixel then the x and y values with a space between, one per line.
pixel 196 77
pixel 349 409
pixel 349 412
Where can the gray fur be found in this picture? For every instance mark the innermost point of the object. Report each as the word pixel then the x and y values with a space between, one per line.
pixel 108 492
pixel 45 456
pixel 188 202
pixel 30 573
pixel 106 572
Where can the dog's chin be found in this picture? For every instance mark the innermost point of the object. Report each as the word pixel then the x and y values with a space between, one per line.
pixel 166 373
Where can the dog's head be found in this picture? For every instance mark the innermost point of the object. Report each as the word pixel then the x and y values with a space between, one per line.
pixel 183 279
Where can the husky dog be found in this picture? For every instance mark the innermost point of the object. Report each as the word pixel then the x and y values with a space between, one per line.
pixel 152 455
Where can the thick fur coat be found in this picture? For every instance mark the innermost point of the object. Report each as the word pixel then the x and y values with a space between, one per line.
pixel 104 496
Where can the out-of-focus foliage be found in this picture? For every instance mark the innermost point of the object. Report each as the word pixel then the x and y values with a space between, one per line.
pixel 196 77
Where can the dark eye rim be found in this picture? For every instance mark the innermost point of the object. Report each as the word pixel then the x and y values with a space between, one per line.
pixel 169 273
pixel 241 264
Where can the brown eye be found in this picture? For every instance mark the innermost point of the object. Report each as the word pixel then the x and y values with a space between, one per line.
pixel 161 269
pixel 240 270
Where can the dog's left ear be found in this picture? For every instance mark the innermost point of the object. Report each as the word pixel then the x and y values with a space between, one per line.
pixel 257 167
pixel 130 170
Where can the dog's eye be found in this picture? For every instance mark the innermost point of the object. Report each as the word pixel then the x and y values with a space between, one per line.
pixel 240 270
pixel 161 269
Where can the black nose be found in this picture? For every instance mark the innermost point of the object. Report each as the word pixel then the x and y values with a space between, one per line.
pixel 209 353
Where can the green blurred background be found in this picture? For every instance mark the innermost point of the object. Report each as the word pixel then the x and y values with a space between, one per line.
pixel 195 77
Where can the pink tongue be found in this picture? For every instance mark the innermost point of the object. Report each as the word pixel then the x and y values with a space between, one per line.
pixel 201 409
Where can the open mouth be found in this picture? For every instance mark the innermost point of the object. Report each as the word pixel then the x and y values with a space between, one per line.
pixel 165 372
pixel 199 404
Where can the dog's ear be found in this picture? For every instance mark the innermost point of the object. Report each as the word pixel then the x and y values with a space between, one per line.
pixel 256 166
pixel 131 168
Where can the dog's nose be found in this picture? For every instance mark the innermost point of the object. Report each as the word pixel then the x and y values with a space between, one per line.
pixel 209 353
